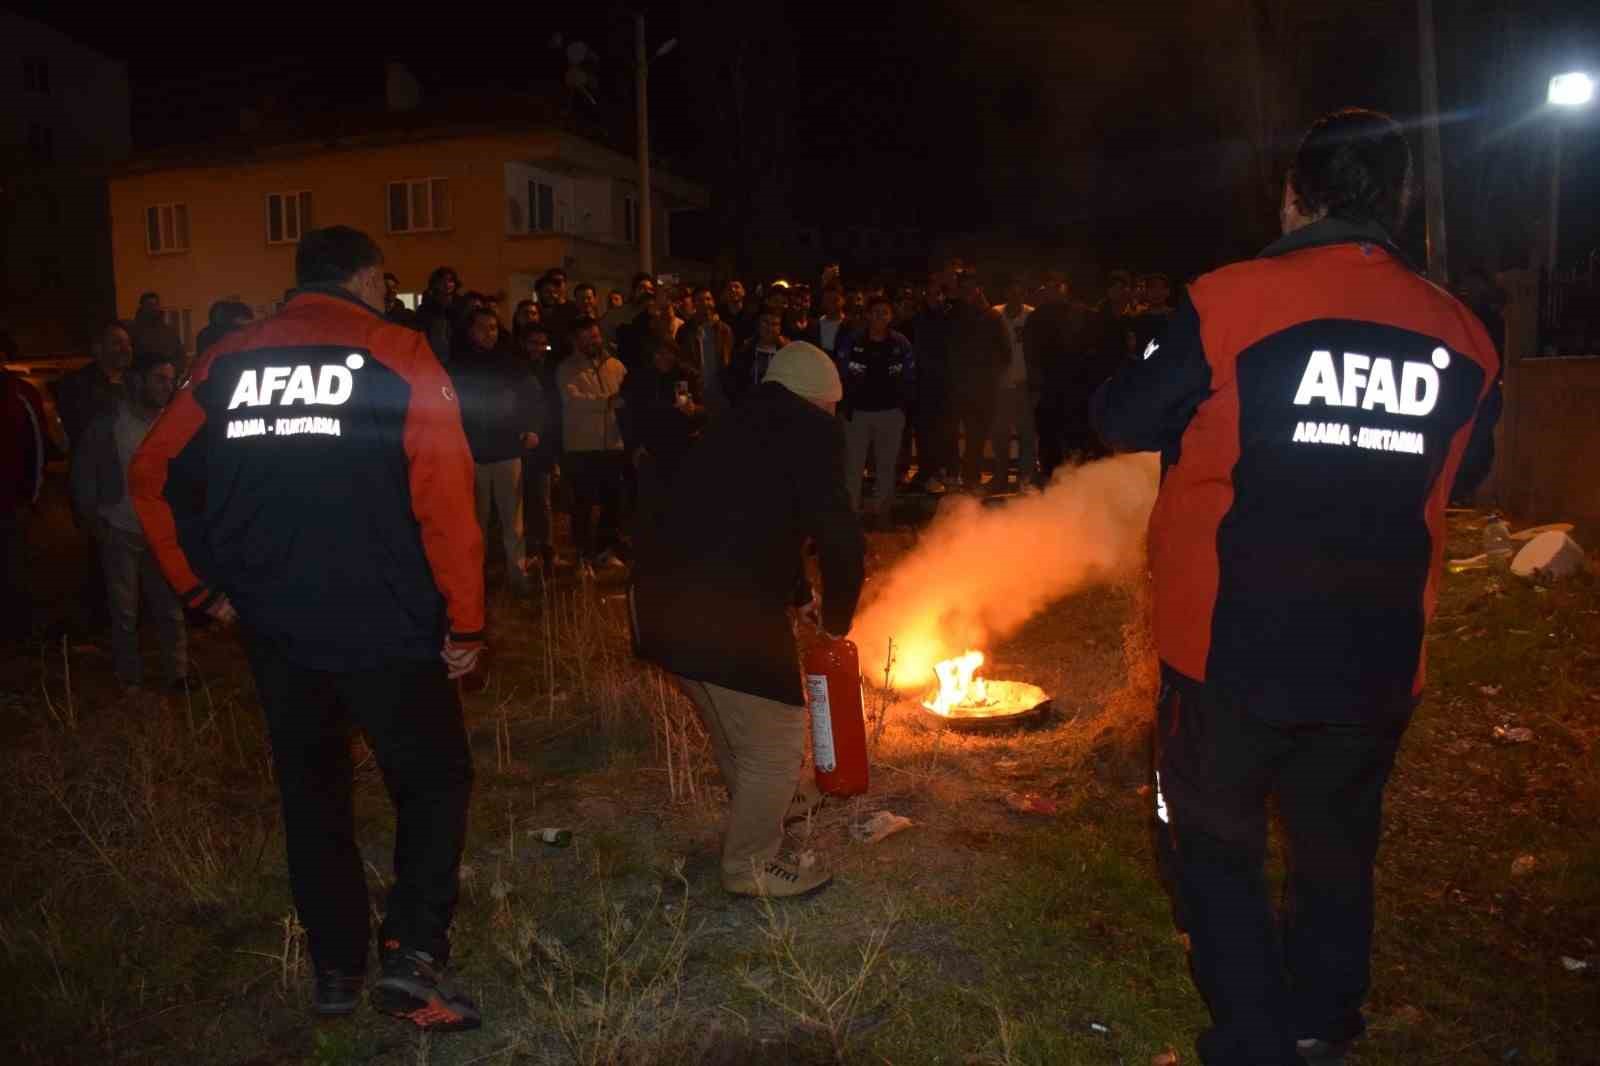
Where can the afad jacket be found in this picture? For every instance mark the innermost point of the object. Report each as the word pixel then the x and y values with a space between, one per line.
pixel 1311 407
pixel 313 468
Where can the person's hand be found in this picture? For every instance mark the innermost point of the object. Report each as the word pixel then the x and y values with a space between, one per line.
pixel 530 440
pixel 460 661
pixel 221 610
pixel 811 613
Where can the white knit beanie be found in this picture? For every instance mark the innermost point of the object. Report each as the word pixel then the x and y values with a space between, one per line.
pixel 805 370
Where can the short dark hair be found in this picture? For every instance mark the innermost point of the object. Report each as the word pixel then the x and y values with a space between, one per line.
pixel 698 289
pixel 227 312
pixel 641 277
pixel 390 277
pixel 549 278
pixel 1354 164
pixel 440 273
pixel 143 296
pixel 333 255
pixel 583 322
pixel 584 285
pixel 880 298
pixel 482 312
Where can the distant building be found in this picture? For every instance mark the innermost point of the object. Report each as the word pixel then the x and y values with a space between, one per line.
pixel 499 202
pixel 63 121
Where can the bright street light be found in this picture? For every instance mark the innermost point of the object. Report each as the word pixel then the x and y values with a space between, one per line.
pixel 1573 89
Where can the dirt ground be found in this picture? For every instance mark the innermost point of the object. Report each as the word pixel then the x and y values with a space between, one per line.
pixel 145 914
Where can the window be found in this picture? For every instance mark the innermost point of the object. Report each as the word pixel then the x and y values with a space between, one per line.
pixel 179 321
pixel 288 216
pixel 166 228
pixel 419 205
pixel 41 142
pixel 36 76
pixel 541 207
pixel 630 219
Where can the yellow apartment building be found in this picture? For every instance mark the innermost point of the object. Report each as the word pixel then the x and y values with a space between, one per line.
pixel 499 204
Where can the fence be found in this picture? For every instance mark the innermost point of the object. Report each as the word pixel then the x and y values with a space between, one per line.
pixel 1547 455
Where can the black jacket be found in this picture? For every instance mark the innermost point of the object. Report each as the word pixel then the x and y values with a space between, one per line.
pixel 501 399
pixel 748 368
pixel 980 346
pixel 660 426
pixel 1312 407
pixel 713 584
pixel 83 396
pixel 313 469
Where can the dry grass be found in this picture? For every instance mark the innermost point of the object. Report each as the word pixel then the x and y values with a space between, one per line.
pixel 143 896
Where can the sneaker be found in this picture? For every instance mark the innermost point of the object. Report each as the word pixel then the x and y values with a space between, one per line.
pixel 337 992
pixel 1321 1052
pixel 779 880
pixel 413 987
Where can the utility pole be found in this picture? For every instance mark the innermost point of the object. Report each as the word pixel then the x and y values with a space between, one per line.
pixel 1432 162
pixel 641 76
pixel 1553 255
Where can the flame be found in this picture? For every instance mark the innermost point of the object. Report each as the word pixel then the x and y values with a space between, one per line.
pixel 958 684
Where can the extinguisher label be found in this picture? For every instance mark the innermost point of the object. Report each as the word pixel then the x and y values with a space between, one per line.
pixel 821 723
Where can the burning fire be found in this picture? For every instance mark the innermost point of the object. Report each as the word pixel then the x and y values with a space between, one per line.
pixel 959 685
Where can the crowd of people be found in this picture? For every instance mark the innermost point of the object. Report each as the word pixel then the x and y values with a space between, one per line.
pixel 603 396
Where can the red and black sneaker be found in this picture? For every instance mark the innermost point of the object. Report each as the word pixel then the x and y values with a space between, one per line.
pixel 413 987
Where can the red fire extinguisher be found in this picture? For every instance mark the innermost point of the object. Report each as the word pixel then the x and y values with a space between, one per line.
pixel 838 726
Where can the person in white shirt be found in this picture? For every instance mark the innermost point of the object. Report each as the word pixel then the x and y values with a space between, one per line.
pixel 830 326
pixel 1014 404
pixel 590 382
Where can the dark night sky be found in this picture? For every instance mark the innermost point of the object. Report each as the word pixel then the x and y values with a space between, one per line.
pixel 1106 127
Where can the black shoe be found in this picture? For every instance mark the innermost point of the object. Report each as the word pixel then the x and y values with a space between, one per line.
pixel 337 992
pixel 1321 1052
pixel 413 987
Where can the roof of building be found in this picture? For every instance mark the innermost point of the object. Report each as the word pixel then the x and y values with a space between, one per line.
pixel 298 136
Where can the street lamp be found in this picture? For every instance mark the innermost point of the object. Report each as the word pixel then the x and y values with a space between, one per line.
pixel 1573 89
pixel 1568 91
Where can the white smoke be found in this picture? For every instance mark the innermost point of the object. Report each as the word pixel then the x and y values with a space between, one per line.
pixel 979 573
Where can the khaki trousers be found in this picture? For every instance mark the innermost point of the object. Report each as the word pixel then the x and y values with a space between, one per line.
pixel 759 745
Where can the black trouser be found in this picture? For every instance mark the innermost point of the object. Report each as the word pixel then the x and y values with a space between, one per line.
pixel 1217 761
pixel 936 435
pixel 972 402
pixel 596 482
pixel 538 519
pixel 412 717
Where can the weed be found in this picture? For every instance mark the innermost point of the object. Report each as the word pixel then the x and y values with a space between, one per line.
pixel 820 1002
pixel 612 1005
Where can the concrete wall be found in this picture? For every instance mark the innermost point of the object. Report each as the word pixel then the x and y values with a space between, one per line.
pixel 1547 463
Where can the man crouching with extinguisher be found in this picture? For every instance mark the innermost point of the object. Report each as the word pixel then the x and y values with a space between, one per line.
pixel 716 580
